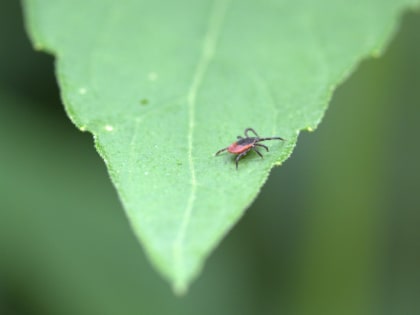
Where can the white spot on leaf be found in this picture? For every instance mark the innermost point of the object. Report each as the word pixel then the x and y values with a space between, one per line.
pixel 82 91
pixel 152 76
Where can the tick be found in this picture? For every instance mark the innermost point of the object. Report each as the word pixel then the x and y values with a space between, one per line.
pixel 244 145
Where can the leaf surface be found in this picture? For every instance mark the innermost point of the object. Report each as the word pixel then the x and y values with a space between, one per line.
pixel 163 85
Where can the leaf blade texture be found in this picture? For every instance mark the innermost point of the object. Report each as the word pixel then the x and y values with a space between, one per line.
pixel 163 85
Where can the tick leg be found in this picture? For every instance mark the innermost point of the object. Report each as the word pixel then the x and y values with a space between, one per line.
pixel 262 145
pixel 252 130
pixel 258 152
pixel 240 138
pixel 220 151
pixel 240 156
pixel 271 138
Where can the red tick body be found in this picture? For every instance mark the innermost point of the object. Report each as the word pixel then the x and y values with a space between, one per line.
pixel 244 145
pixel 241 146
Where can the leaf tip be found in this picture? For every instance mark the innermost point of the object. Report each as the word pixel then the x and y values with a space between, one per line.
pixel 180 288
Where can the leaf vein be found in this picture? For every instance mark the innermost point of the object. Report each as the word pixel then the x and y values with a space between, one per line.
pixel 215 21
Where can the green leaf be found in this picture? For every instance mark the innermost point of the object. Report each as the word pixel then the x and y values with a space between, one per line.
pixel 162 85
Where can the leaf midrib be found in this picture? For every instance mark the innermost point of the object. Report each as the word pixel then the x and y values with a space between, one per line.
pixel 215 21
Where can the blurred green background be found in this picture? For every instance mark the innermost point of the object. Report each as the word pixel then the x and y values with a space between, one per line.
pixel 336 229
